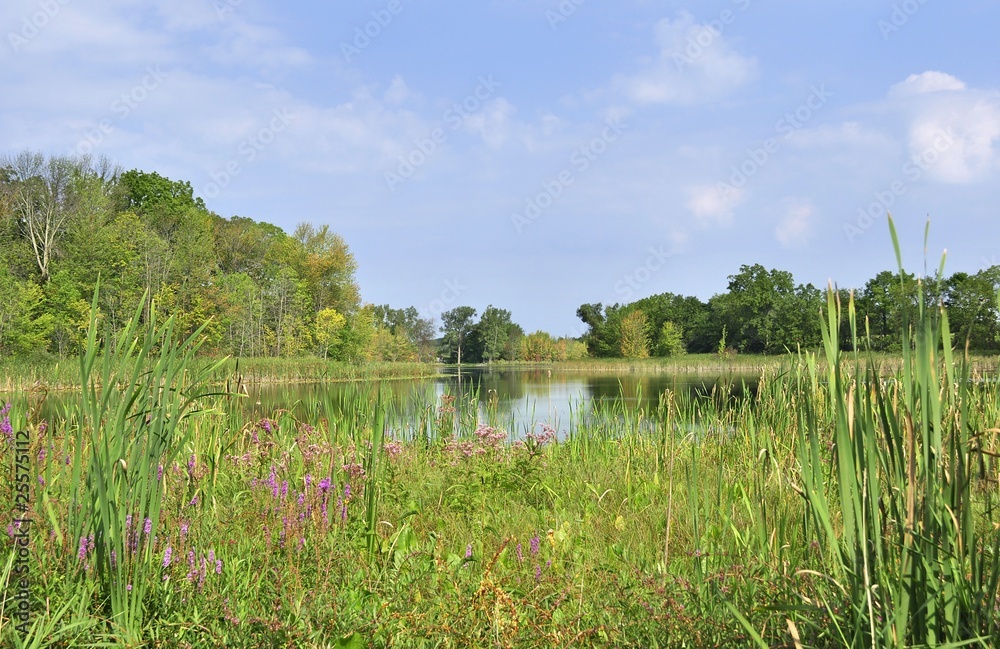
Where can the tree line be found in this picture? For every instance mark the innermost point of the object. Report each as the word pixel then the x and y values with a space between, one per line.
pixel 766 312
pixel 68 223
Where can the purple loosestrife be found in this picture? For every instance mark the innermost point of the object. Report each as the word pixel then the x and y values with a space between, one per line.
pixel 520 555
pixel 147 527
pixel 159 472
pixel 534 544
pixel 468 551
pixel 5 426
pixel 167 556
pixel 284 489
pixel 81 554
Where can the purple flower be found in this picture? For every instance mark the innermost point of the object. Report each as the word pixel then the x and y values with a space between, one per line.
pixel 534 544
pixel 167 556
pixel 41 454
pixel 343 511
pixel 468 551
pixel 538 572
pixel 284 489
pixel 159 473
pixel 520 555
pixel 308 479
pixel 191 464
pixel 347 491
pixel 184 529
pixel 5 426
pixel 43 426
pixel 218 566
pixel 324 484
pixel 147 528
pixel 82 552
pixel 302 499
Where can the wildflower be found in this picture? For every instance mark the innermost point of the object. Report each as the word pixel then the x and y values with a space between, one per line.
pixel 5 426
pixel 301 499
pixel 538 572
pixel 159 472
pixel 41 454
pixel 167 556
pixel 266 425
pixel 191 465
pixel 147 528
pixel 128 587
pixel 43 426
pixel 218 564
pixel 520 555
pixel 324 484
pixel 468 551
pixel 82 552
pixel 347 491
pixel 343 510
pixel 308 479
pixel 393 449
pixel 534 544
pixel 284 489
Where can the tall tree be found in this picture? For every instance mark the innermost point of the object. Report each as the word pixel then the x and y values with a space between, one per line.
pixel 492 330
pixel 635 335
pixel 456 325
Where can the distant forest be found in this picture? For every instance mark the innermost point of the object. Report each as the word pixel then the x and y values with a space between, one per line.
pixel 66 222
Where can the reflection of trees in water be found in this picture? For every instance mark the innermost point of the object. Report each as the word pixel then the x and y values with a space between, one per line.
pixel 514 395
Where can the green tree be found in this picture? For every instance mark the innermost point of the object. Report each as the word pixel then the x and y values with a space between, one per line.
pixel 456 325
pixel 329 325
pixel 492 330
pixel 635 335
pixel 671 340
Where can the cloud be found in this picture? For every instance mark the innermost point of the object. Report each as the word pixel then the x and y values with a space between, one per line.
pixel 795 229
pixel 925 83
pixel 695 65
pixel 709 204
pixel 953 129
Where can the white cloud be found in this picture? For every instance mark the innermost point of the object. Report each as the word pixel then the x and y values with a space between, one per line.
pixel 795 229
pixel 925 83
pixel 695 65
pixel 710 204
pixel 953 130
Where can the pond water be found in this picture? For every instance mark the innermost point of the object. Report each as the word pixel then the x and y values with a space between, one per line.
pixel 519 399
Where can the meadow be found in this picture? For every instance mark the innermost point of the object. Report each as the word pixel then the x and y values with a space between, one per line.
pixel 844 504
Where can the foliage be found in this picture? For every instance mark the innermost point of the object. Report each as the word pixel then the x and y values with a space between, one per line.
pixel 671 340
pixel 635 335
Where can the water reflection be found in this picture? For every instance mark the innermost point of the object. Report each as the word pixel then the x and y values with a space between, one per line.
pixel 517 400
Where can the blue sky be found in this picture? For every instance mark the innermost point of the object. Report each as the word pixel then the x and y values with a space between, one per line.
pixel 538 154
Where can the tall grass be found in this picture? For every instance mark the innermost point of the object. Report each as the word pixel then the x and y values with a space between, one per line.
pixel 129 424
pixel 906 535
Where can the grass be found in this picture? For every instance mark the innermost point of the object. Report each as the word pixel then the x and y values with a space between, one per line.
pixel 842 505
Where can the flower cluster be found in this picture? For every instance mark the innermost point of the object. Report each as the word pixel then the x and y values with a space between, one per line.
pixel 5 426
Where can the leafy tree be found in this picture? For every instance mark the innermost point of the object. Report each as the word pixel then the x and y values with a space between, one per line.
pixel 671 340
pixel 493 330
pixel 456 325
pixel 602 338
pixel 329 325
pixel 635 335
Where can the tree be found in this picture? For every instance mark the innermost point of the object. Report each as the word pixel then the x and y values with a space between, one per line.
pixel 456 325
pixel 671 340
pixel 45 194
pixel 635 335
pixel 327 267
pixel 492 330
pixel 602 337
pixel 329 324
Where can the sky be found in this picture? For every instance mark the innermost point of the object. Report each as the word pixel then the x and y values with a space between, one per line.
pixel 537 155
